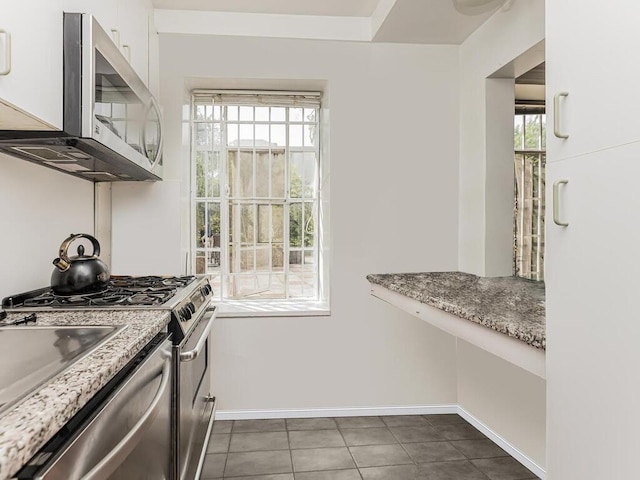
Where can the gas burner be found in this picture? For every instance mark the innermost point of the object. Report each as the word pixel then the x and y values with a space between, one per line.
pixel 122 291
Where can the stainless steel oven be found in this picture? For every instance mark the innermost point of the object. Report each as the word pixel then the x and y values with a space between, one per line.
pixel 122 433
pixel 192 316
pixel 194 407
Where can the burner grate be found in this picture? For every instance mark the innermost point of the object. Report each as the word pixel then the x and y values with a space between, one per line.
pixel 122 291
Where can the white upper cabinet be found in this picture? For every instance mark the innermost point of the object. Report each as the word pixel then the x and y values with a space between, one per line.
pixel 133 22
pixel 128 23
pixel 33 58
pixel 590 49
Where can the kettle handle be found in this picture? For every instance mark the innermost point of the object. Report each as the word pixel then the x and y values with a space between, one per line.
pixel 63 263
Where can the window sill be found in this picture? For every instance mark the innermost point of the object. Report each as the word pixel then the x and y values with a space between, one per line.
pixel 272 308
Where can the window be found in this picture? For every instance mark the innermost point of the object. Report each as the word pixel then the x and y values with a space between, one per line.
pixel 529 207
pixel 256 194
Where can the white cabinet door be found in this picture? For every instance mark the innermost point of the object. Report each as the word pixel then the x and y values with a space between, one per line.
pixel 589 54
pixel 105 11
pixel 593 325
pixel 133 22
pixel 34 83
pixel 128 23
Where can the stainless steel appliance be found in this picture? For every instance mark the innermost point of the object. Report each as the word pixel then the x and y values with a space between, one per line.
pixel 188 299
pixel 123 433
pixel 111 122
pixel 52 350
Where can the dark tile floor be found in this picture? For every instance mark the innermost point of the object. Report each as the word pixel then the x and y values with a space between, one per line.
pixel 415 447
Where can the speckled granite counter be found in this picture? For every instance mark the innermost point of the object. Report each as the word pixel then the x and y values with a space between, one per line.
pixel 32 422
pixel 510 305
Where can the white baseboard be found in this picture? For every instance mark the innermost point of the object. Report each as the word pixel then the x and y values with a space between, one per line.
pixel 502 443
pixel 381 411
pixel 334 412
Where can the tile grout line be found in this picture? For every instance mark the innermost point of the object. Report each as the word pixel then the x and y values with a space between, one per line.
pixel 349 450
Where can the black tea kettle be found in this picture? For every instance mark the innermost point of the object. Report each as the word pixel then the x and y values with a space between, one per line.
pixel 81 273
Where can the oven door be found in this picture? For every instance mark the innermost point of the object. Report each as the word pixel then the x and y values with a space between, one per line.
pixel 123 433
pixel 193 404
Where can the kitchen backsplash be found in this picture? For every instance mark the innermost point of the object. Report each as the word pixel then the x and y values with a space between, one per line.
pixel 39 208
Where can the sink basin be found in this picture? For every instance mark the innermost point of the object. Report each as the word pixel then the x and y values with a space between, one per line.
pixel 30 356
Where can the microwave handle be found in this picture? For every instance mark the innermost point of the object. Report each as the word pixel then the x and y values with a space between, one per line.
pixel 154 162
pixel 121 451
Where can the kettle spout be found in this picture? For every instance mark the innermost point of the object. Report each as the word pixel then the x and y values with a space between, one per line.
pixel 61 264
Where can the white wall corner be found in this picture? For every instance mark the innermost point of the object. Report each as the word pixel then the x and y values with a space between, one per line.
pixel 379 15
pixel 520 456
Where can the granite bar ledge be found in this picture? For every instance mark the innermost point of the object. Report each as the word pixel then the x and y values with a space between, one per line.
pixel 503 315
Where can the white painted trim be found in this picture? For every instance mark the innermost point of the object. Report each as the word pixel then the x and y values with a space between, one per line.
pixel 314 27
pixel 502 443
pixel 508 348
pixel 335 412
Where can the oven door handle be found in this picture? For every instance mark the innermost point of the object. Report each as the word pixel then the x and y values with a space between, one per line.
pixel 191 355
pixel 121 451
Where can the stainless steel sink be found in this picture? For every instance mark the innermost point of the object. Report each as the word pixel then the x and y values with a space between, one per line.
pixel 30 356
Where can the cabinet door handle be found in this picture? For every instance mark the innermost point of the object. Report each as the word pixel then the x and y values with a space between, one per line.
pixel 127 52
pixel 556 201
pixel 556 115
pixel 115 36
pixel 7 53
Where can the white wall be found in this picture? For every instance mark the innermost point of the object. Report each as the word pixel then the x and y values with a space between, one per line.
pixel 503 38
pixel 39 208
pixel 507 399
pixel 394 206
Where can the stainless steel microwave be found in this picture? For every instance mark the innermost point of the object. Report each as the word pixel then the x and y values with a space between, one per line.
pixel 112 126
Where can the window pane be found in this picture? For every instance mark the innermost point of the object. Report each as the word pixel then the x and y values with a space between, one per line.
pixel 264 223
pixel 262 114
pixel 232 113
pixel 203 135
pixel 240 167
pixel 309 224
pixel 295 225
pixel 263 260
pixel 246 114
pixel 278 114
pixel 247 231
pixel 262 135
pixel 518 142
pixel 263 179
pixel 278 135
pixel 295 114
pixel 310 139
pixel 532 132
pixel 277 257
pixel 310 115
pixel 232 135
pixel 295 135
pixel 246 135
pixel 303 174
pixel 277 174
pixel 277 220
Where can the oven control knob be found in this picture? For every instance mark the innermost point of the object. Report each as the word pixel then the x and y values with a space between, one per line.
pixel 191 307
pixel 185 313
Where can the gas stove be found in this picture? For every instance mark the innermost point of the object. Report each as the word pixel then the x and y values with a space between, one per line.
pixel 186 297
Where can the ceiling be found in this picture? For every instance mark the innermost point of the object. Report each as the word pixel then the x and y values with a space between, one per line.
pixel 338 8
pixel 392 21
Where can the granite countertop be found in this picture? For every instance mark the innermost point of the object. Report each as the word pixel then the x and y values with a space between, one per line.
pixel 26 427
pixel 510 305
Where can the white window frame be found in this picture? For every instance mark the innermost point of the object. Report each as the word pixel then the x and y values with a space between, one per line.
pixel 266 307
